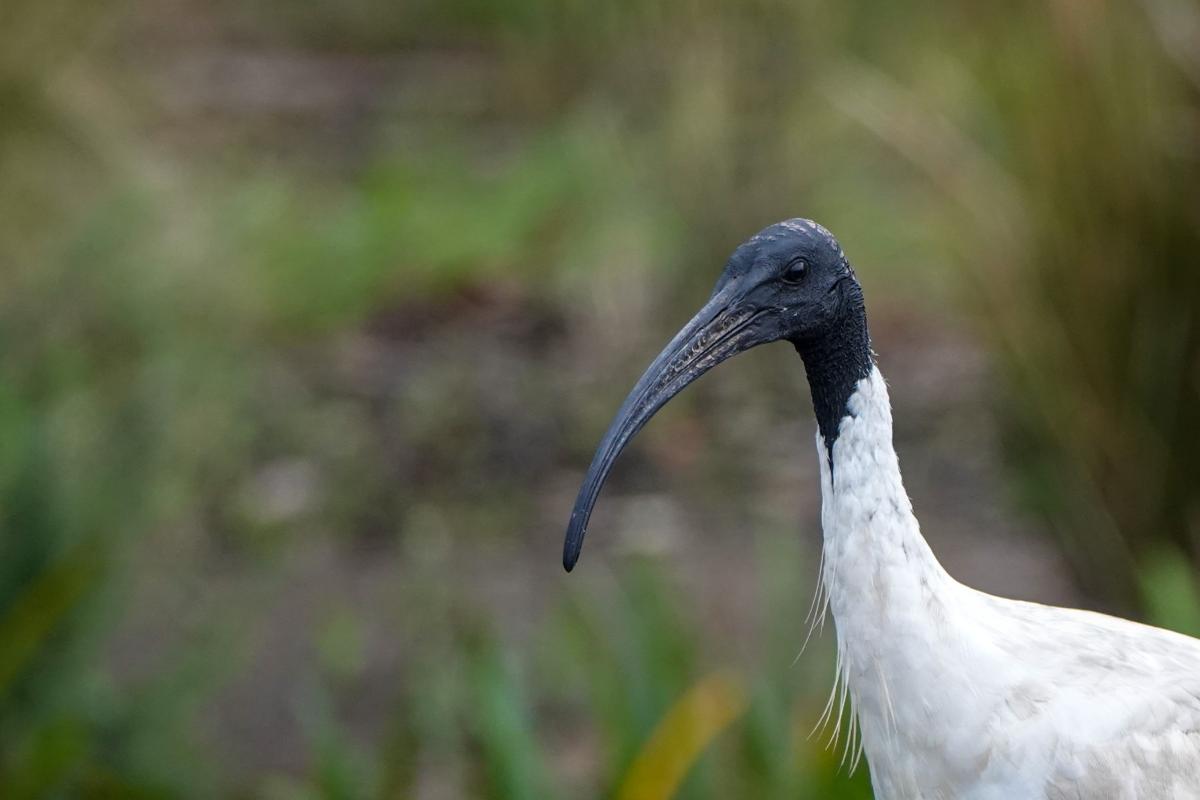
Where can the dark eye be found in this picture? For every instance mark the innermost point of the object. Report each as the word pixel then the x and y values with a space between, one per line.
pixel 794 272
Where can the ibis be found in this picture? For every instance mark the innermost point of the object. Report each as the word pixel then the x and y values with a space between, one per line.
pixel 952 693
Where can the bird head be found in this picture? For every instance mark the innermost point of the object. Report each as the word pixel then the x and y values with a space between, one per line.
pixel 790 281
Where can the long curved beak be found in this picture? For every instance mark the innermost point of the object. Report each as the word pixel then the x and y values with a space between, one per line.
pixel 717 332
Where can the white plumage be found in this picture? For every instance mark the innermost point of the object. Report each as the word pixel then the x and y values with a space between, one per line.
pixel 962 695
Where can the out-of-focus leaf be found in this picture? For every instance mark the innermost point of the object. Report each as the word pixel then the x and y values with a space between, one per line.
pixel 690 725
pixel 513 760
pixel 35 615
pixel 1172 589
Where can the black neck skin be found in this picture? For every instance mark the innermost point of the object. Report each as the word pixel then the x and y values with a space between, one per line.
pixel 835 361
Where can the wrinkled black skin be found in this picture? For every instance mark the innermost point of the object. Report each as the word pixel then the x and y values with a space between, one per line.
pixel 760 297
pixel 822 315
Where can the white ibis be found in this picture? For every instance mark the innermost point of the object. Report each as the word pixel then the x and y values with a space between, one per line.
pixel 956 693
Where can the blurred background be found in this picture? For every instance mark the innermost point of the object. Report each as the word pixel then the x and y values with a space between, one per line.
pixel 312 313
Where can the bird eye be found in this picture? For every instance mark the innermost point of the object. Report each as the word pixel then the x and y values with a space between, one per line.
pixel 795 271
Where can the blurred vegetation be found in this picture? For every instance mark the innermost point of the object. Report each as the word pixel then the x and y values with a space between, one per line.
pixel 284 284
pixel 1090 286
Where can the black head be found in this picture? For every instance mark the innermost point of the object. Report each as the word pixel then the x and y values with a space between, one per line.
pixel 790 281
pixel 795 275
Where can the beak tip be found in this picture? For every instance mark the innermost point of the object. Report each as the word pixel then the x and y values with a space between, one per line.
pixel 571 553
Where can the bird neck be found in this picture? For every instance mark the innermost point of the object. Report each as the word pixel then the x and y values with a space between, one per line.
pixel 866 514
pixel 835 362
pixel 891 600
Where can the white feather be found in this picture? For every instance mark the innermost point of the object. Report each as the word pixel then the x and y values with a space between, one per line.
pixel 966 696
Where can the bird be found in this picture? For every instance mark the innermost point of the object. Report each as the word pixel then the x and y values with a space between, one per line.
pixel 952 693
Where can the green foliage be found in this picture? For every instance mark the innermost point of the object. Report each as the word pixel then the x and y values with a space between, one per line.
pixel 1172 593
pixel 1079 232
pixel 512 757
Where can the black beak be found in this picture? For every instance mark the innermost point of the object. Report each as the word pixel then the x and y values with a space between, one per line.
pixel 718 331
